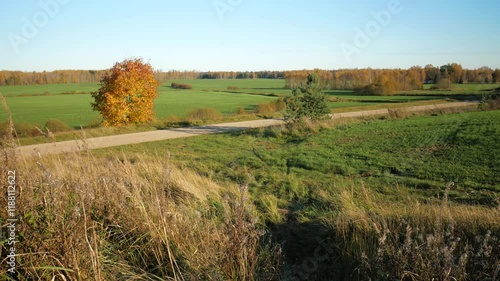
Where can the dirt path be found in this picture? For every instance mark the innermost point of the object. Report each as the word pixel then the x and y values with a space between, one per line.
pixel 126 139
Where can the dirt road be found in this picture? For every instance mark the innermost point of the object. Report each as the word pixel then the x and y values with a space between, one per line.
pixel 126 139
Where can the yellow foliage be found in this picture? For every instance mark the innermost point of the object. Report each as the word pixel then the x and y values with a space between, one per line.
pixel 127 94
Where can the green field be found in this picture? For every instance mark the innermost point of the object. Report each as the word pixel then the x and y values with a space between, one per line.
pixel 353 198
pixel 70 103
pixel 74 109
pixel 420 153
pixel 458 89
pixel 424 176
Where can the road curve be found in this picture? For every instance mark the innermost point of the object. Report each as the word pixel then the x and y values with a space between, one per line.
pixel 158 135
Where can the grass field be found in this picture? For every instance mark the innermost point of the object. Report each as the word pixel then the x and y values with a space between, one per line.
pixel 74 109
pixel 358 179
pixel 421 153
pixel 368 199
pixel 458 89
pixel 70 103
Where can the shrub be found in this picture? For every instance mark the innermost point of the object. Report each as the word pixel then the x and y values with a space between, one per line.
pixel 266 109
pixel 203 114
pixel 181 86
pixel 55 125
pixel 374 89
pixel 443 84
pixel 307 101
pixel 280 104
pixel 398 113
pixel 241 111
pixel 489 102
pixel 25 129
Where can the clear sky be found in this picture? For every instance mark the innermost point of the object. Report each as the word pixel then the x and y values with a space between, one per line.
pixel 242 35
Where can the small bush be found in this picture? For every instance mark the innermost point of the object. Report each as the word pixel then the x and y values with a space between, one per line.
pixel 203 114
pixel 443 84
pixel 181 86
pixel 55 125
pixel 307 100
pixel 266 109
pixel 233 88
pixel 398 113
pixel 374 89
pixel 280 104
pixel 241 111
pixel 25 129
pixel 490 103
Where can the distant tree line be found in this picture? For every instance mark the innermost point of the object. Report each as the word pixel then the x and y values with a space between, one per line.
pixel 385 80
pixel 50 77
pixel 390 80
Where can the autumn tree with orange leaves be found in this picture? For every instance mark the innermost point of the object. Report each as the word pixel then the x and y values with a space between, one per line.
pixel 127 94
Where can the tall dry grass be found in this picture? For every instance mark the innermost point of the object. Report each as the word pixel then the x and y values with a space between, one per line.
pixel 83 218
pixel 378 240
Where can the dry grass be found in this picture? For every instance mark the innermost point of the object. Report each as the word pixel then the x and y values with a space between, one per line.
pixel 137 218
pixel 415 241
pixel 83 218
pixel 399 113
pixel 203 115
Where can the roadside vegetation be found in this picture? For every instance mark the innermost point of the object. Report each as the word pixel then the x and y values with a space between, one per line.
pixel 413 198
pixel 403 197
pixel 408 196
pixel 252 99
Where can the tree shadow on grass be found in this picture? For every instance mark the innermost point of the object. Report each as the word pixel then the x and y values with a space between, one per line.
pixel 308 249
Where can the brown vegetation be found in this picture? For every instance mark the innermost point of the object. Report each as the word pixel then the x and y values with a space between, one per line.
pixel 82 218
pixel 435 241
pixel 203 115
pixel 181 86
pixel 127 94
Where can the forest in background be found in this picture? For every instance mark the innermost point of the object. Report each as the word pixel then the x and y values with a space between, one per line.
pixel 365 81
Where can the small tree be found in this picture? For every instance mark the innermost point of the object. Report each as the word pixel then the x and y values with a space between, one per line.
pixel 126 94
pixel 307 100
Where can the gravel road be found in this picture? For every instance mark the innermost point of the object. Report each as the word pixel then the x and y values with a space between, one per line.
pixel 126 139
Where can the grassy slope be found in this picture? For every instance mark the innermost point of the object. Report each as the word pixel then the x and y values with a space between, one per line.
pixel 420 152
pixel 368 186
pixel 342 203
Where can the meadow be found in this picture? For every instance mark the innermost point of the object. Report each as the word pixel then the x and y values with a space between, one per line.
pixel 363 182
pixel 388 198
pixel 70 103
pixel 420 153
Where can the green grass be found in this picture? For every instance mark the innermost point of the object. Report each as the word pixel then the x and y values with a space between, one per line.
pixel 51 89
pixel 38 103
pixel 420 154
pixel 458 89
pixel 75 109
pixel 179 102
pixel 384 99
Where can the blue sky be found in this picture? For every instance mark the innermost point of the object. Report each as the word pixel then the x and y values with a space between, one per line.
pixel 241 35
